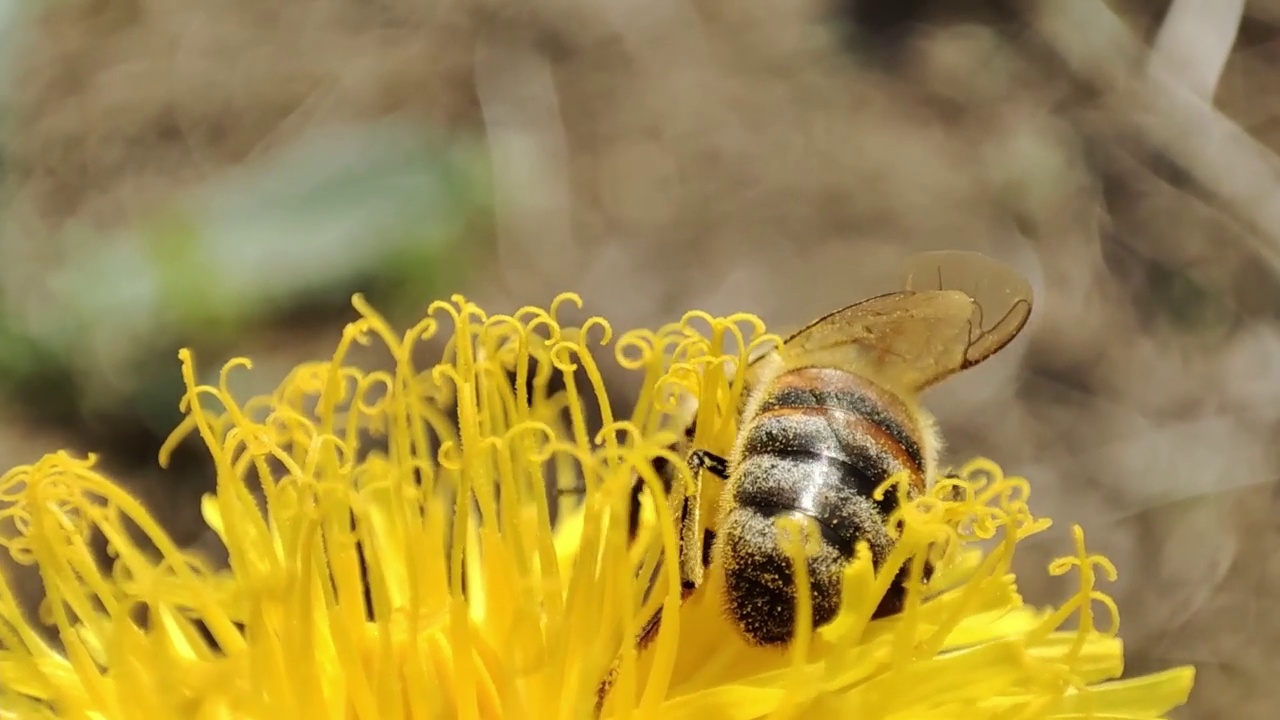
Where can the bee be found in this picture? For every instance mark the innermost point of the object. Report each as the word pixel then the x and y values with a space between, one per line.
pixel 827 416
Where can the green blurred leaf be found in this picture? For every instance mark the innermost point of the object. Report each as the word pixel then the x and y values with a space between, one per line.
pixel 338 211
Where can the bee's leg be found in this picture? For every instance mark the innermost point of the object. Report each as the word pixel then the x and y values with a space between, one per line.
pixel 694 550
pixel 709 461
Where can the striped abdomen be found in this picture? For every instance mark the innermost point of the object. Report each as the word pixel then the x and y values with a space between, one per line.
pixel 817 445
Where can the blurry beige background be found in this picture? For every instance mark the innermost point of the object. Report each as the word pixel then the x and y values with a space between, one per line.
pixel 776 157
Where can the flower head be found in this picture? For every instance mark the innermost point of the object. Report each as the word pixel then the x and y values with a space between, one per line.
pixel 392 554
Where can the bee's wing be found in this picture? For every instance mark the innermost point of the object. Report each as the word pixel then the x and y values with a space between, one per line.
pixel 916 337
pixel 1002 294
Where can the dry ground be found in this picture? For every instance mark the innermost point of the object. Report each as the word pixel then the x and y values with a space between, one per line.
pixel 739 156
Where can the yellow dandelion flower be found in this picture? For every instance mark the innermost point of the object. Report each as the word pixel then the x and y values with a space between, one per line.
pixel 393 555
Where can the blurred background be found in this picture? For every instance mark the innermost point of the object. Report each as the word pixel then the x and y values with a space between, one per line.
pixel 223 175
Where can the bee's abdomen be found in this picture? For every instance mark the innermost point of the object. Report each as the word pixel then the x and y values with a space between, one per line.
pixel 818 445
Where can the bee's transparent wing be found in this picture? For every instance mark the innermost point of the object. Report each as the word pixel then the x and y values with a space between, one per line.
pixel 914 338
pixel 1002 294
